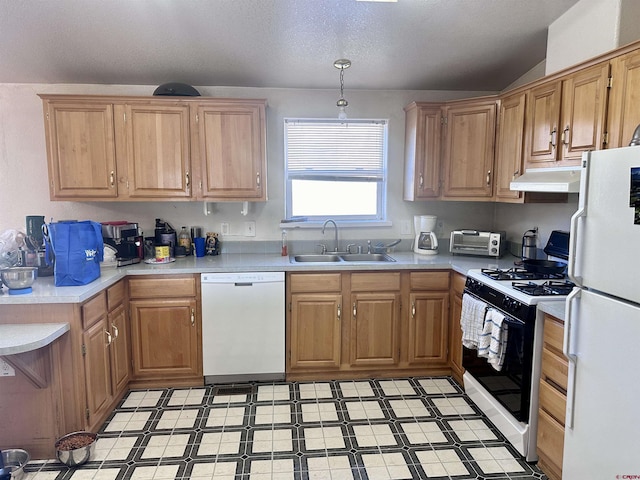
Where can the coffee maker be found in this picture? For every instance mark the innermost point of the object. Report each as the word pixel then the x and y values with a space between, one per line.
pixel 425 241
pixel 124 238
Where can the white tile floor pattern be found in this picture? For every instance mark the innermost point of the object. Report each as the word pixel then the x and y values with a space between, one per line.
pixel 410 428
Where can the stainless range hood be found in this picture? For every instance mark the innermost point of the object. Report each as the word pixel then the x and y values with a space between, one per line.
pixel 553 180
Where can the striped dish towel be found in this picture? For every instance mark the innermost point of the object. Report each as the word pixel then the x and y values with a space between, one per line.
pixel 472 320
pixel 492 343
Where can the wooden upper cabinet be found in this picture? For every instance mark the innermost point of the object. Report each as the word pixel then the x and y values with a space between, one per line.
pixel 232 150
pixel 566 118
pixel 422 151
pixel 158 150
pixel 469 142
pixel 624 114
pixel 81 150
pixel 509 146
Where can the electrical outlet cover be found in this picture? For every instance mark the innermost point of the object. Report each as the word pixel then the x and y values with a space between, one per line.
pixel 249 229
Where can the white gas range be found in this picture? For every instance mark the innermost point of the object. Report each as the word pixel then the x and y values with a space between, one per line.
pixel 509 397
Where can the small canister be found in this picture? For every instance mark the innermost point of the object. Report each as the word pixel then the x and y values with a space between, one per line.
pixel 162 253
pixel 529 244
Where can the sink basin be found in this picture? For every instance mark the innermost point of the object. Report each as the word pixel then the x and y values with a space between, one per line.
pixel 367 257
pixel 342 257
pixel 316 258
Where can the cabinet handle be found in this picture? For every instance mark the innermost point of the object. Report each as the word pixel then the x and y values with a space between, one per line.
pixel 489 178
pixel 193 317
pixel 116 332
pixel 112 178
pixel 108 338
pixel 565 136
pixel 354 310
pixel 339 312
pixel 413 309
pixel 552 138
pixel 188 180
pixel 258 179
pixel 515 174
pixel 421 181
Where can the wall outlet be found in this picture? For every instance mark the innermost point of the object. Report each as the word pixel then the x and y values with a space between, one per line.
pixel 249 229
pixel 405 227
pixel 224 228
pixel 6 370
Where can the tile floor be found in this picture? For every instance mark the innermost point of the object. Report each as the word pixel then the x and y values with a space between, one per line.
pixel 410 428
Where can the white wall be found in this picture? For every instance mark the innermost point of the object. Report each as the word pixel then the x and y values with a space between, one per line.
pixel 24 180
pixel 588 29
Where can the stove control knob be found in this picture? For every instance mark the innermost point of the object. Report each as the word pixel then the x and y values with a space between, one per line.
pixel 509 304
pixel 494 242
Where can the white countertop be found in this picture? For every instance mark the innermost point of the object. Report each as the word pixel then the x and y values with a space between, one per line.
pixel 44 290
pixel 20 338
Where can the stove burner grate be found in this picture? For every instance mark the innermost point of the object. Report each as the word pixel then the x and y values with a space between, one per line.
pixel 550 287
pixel 517 273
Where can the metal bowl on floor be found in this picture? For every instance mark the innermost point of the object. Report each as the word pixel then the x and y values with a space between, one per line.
pixel 17 278
pixel 75 448
pixel 15 459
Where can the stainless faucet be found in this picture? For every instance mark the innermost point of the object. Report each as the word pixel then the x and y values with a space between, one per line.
pixel 336 227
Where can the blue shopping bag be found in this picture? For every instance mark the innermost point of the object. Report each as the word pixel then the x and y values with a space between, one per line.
pixel 78 248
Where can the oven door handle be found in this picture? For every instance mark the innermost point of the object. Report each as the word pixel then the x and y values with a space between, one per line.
pixel 572 357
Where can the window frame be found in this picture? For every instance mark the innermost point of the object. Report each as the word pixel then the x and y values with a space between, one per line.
pixel 379 219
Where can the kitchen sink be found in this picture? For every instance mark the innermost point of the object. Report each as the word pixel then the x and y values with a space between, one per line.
pixel 344 257
pixel 367 257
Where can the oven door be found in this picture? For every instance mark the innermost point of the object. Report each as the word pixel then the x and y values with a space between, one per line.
pixel 511 386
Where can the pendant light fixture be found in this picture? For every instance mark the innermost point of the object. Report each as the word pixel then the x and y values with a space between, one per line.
pixel 341 64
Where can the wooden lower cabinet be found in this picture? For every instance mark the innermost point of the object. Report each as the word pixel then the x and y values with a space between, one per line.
pixel 552 399
pixel 166 331
pixel 105 351
pixel 374 332
pixel 455 332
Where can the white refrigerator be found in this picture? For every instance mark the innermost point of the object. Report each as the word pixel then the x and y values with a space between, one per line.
pixel 602 325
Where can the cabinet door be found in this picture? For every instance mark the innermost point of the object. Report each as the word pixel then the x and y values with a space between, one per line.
pixel 232 151
pixel 422 152
pixel 428 318
pixel 164 337
pixel 509 146
pixel 469 150
pixel 158 151
pixel 543 117
pixel 96 340
pixel 315 330
pixel 81 150
pixel 455 336
pixel 119 349
pixel 374 328
pixel 624 114
pixel 584 102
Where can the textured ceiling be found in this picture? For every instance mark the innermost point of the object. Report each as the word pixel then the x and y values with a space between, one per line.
pixel 411 44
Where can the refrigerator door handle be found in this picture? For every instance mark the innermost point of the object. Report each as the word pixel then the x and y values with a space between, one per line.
pixel 572 357
pixel 573 244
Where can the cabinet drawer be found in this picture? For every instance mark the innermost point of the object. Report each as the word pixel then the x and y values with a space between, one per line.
pixel 94 309
pixel 163 287
pixel 550 439
pixel 315 282
pixel 115 295
pixel 457 283
pixel 553 332
pixel 430 281
pixel 375 282
pixel 553 402
pixel 555 368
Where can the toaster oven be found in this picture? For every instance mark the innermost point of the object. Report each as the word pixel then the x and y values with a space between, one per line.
pixel 478 242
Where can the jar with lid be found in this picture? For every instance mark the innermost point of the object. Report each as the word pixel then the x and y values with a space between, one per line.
pixel 184 240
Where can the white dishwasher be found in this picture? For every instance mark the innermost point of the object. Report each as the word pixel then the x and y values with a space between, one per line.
pixel 243 333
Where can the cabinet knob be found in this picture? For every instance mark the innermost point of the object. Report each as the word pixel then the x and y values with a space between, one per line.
pixel 565 136
pixel 413 309
pixel 188 179
pixel 112 178
pixel 108 338
pixel 489 178
pixel 421 181
pixel 552 138
pixel 258 179
pixel 193 317
pixel 339 312
pixel 116 332
pixel 354 310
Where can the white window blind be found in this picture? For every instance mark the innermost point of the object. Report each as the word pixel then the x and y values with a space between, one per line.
pixel 335 149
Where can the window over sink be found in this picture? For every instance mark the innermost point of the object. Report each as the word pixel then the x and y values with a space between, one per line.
pixel 335 169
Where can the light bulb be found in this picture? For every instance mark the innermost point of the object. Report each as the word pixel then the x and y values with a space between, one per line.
pixel 342 114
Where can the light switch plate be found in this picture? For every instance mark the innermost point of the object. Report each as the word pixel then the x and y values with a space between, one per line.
pixel 249 229
pixel 405 227
pixel 224 228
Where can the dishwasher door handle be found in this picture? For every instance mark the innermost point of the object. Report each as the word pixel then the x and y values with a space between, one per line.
pixel 243 284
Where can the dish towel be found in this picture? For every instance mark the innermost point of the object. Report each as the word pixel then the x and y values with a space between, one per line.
pixel 472 320
pixel 492 343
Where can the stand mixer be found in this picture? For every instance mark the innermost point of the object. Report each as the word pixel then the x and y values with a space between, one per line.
pixel 425 242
